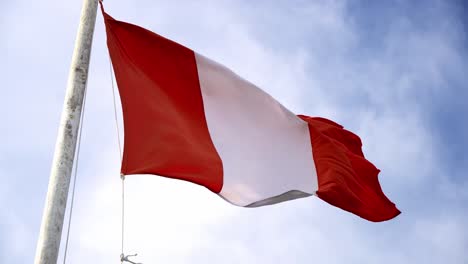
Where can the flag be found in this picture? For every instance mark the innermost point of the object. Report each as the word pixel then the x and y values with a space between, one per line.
pixel 190 118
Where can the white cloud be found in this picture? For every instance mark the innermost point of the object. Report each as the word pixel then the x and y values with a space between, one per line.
pixel 309 56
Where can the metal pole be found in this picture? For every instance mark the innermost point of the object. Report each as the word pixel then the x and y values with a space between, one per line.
pixel 52 219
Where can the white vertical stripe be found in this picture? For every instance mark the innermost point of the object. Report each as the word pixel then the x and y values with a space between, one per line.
pixel 265 149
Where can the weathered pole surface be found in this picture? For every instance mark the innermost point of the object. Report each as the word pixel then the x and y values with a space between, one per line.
pixel 48 244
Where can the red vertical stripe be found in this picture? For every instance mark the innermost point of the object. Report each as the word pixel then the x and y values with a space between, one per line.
pixel 164 121
pixel 345 178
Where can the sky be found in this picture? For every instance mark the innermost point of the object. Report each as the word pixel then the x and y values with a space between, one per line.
pixel 393 72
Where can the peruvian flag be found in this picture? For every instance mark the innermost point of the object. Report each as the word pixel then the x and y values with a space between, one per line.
pixel 187 117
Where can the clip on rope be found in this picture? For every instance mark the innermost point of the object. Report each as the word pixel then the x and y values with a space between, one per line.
pixel 125 258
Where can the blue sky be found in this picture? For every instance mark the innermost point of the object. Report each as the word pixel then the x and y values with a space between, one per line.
pixel 394 73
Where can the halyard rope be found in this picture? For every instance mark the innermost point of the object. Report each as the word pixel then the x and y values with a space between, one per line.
pixel 122 177
pixel 70 214
pixel 76 169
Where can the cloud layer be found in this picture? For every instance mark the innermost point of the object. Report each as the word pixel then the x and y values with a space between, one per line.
pixel 393 74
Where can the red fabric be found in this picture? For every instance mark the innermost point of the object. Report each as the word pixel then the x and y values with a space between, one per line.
pixel 164 121
pixel 345 178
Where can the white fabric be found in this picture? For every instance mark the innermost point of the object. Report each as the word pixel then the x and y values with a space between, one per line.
pixel 265 149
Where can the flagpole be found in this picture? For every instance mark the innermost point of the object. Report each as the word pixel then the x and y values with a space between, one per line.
pixel 48 244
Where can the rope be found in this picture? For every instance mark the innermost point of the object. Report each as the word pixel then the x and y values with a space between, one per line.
pixel 122 177
pixel 123 218
pixel 76 169
pixel 115 108
pixel 74 177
